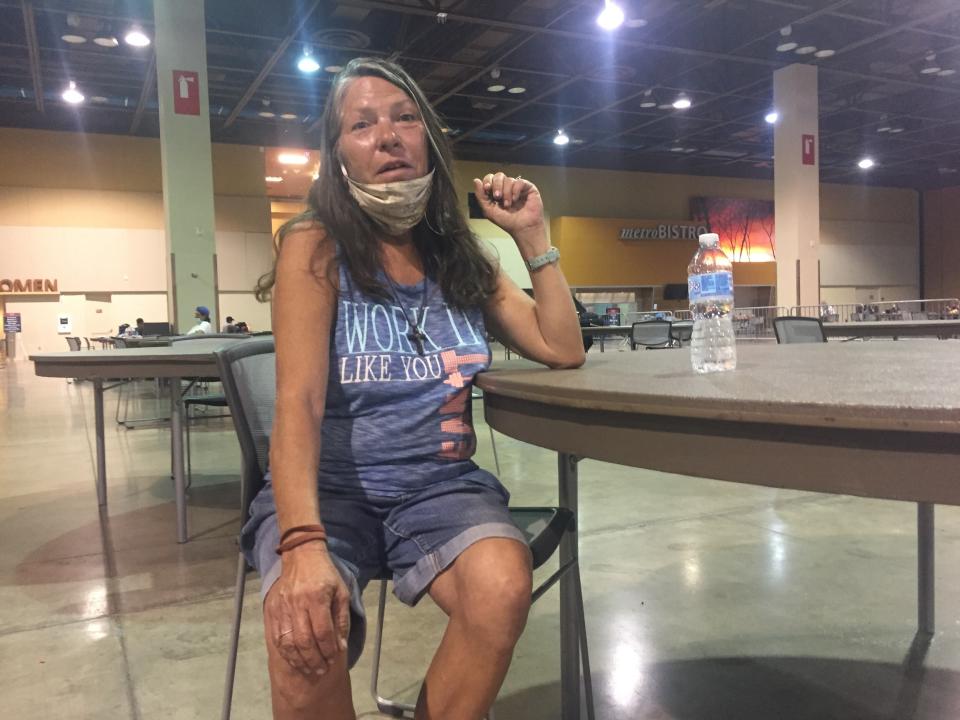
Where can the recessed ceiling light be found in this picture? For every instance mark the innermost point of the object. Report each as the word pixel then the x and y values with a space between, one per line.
pixel 690 150
pixel 72 95
pixel 931 70
pixel 98 99
pixel 806 50
pixel 648 104
pixel 73 39
pixel 894 131
pixel 866 163
pixel 137 38
pixel 636 23
pixel 677 148
pixel 333 68
pixel 518 90
pixel 787 46
pixel 266 114
pixel 885 128
pixel 772 117
pixel 496 88
pixel 561 138
pixel 107 42
pixel 289 116
pixel 825 53
pixel 307 63
pixel 665 106
pixel 611 17
pixel 273 179
pixel 947 73
pixel 292 158
pixel 682 103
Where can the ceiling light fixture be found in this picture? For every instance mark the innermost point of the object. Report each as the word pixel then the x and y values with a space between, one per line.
pixel 273 179
pixel 288 116
pixel 772 117
pixel 333 68
pixel 292 158
pixel 806 50
pixel 825 53
pixel 107 42
pixel 518 90
pixel 73 39
pixel 894 131
pixel 137 38
pixel 946 73
pixel 99 99
pixel 648 104
pixel 866 163
pixel 931 70
pixel 682 103
pixel 611 17
pixel 496 88
pixel 885 128
pixel 561 138
pixel 307 63
pixel 72 95
pixel 786 45
pixel 266 112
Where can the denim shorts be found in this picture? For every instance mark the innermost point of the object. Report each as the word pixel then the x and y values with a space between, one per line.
pixel 410 539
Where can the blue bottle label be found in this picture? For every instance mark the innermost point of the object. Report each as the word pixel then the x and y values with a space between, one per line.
pixel 709 285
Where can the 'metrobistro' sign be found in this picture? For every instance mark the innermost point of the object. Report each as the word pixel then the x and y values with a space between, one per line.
pixel 664 231
pixel 32 286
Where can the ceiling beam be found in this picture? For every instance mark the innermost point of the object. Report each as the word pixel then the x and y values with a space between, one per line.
pixel 894 29
pixel 148 82
pixel 251 90
pixel 33 51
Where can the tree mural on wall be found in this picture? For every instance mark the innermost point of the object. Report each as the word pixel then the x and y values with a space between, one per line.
pixel 745 226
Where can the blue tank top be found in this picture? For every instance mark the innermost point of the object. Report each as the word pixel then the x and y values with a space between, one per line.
pixel 397 421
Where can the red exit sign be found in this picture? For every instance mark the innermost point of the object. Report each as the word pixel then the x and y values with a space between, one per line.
pixel 809 150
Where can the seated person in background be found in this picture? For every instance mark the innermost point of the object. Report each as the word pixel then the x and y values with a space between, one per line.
pixel 240 327
pixel 140 326
pixel 587 319
pixel 952 311
pixel 228 326
pixel 203 326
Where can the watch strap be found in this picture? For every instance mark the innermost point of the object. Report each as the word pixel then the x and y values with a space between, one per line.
pixel 550 256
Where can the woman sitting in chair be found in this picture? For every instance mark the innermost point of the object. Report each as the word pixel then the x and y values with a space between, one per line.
pixel 370 468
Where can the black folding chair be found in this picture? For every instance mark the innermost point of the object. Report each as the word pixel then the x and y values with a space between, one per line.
pixel 798 330
pixel 651 334
pixel 248 374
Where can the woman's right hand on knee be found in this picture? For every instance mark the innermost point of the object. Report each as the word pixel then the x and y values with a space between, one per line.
pixel 307 611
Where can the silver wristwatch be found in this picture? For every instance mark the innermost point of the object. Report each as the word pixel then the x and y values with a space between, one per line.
pixel 551 255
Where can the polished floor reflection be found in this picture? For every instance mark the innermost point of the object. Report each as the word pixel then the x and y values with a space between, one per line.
pixel 705 600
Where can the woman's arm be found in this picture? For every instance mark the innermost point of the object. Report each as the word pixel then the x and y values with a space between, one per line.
pixel 544 328
pixel 307 611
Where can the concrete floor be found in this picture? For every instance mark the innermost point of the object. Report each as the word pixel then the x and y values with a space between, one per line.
pixel 705 600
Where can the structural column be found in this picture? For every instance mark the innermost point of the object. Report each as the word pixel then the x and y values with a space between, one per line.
pixel 796 173
pixel 181 49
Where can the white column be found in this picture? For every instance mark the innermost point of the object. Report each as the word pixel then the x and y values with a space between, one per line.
pixel 185 153
pixel 796 174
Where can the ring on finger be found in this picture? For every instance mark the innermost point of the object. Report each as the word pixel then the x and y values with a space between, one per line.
pixel 519 177
pixel 285 632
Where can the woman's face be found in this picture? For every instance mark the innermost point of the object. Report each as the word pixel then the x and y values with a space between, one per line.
pixel 382 136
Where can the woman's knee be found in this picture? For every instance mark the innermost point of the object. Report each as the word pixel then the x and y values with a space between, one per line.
pixel 497 597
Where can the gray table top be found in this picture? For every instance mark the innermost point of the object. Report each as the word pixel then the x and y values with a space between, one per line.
pixel 905 386
pixel 183 359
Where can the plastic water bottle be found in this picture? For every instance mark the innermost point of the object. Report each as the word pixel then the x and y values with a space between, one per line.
pixel 710 283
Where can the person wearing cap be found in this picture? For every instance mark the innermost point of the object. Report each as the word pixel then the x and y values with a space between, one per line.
pixel 203 327
pixel 228 326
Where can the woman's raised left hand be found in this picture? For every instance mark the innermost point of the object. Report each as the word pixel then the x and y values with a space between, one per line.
pixel 512 204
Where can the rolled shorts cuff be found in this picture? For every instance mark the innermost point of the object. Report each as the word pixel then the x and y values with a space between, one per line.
pixel 358 617
pixel 411 586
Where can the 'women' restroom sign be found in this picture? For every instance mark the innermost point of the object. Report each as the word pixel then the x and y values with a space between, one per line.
pixel 186 92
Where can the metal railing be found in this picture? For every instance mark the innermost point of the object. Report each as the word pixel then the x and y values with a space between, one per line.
pixel 931 309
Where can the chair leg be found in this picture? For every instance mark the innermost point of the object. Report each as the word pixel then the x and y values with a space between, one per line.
pixel 235 638
pixel 186 426
pixel 496 458
pixel 384 705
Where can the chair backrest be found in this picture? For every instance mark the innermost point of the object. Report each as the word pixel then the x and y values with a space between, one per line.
pixel 249 376
pixel 207 342
pixel 798 330
pixel 74 344
pixel 651 333
pixel 682 331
